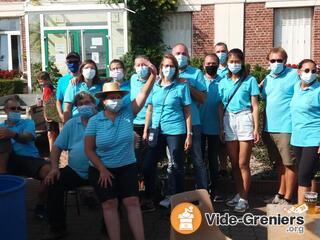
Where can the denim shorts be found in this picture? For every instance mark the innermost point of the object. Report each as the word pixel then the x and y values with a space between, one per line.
pixel 238 126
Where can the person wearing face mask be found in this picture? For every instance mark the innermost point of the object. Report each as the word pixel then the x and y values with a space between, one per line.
pixel 71 139
pixel 87 81
pixel 221 49
pixel 109 144
pixel 137 81
pixel 277 92
pixel 210 119
pixel 169 111
pixel 117 71
pixel 305 138
pixel 239 123
pixel 193 77
pixel 73 61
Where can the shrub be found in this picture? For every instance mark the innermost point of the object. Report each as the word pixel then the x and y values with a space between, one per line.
pixel 197 62
pixel 9 74
pixel 52 70
pixel 8 87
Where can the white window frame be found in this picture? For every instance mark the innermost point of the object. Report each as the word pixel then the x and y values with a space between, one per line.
pixel 9 34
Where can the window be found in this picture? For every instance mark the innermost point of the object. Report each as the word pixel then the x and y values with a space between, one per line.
pixel 177 28
pixel 9 24
pixel 292 31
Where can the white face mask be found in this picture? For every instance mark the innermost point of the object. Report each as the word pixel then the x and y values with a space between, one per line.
pixel 308 77
pixel 117 74
pixel 88 73
pixel 114 105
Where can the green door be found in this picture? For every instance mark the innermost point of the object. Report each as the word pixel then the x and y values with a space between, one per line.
pixel 58 43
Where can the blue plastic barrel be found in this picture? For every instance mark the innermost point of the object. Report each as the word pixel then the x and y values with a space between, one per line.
pixel 12 208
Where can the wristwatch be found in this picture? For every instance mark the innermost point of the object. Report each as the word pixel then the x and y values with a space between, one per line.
pixel 190 133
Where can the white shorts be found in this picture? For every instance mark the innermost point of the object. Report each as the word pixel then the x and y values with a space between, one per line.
pixel 238 126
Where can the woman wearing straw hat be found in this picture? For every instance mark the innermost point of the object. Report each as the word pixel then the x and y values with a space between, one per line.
pixel 109 144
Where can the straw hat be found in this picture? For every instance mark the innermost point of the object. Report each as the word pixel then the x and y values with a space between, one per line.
pixel 110 87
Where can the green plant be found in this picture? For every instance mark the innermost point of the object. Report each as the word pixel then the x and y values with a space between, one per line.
pixel 52 70
pixel 197 62
pixel 259 72
pixel 8 87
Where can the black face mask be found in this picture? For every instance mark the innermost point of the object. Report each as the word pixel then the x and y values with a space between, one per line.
pixel 211 70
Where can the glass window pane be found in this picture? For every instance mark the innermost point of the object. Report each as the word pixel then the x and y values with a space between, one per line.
pixel 9 24
pixel 3 52
pixel 81 19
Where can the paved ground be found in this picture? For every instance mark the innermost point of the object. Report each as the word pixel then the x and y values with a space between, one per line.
pixel 86 226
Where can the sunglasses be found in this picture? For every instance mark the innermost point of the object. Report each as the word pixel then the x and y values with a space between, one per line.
pixel 307 70
pixel 15 108
pixel 276 60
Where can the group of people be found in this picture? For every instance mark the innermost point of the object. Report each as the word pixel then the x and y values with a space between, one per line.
pixel 115 131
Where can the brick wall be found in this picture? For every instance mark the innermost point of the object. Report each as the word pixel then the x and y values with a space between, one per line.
pixel 316 35
pixel 203 31
pixel 24 50
pixel 258 32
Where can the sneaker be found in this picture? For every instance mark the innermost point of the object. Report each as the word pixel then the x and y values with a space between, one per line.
pixel 241 206
pixel 217 198
pixel 284 202
pixel 147 207
pixel 274 200
pixel 165 202
pixel 40 212
pixel 53 235
pixel 234 201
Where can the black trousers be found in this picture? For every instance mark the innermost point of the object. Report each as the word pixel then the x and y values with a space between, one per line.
pixel 69 179
pixel 140 149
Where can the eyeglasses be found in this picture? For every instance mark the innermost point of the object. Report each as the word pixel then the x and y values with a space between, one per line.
pixel 276 60
pixel 15 108
pixel 307 70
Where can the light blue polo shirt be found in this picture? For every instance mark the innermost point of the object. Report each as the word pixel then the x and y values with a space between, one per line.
pixel 277 92
pixel 63 83
pixel 71 139
pixel 305 112
pixel 24 149
pixel 73 90
pixel 125 86
pixel 136 85
pixel 172 120
pixel 209 110
pixel 196 80
pixel 242 99
pixel 114 140
pixel 222 72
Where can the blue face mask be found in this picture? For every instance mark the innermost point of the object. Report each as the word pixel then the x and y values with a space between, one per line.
pixel 14 116
pixel 182 60
pixel 86 111
pixel 276 68
pixel 142 71
pixel 222 57
pixel 73 67
pixel 234 67
pixel 168 72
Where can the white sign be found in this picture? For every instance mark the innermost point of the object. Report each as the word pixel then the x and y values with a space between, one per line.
pixel 60 47
pixel 60 58
pixel 95 56
pixel 96 41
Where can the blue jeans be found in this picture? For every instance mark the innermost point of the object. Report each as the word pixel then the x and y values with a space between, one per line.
pixel 175 169
pixel 197 159
pixel 212 142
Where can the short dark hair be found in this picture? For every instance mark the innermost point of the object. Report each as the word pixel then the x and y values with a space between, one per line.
pixel 117 61
pixel 73 56
pixel 238 54
pixel 221 44
pixel 81 95
pixel 142 56
pixel 306 61
pixel 212 55
pixel 11 99
pixel 43 76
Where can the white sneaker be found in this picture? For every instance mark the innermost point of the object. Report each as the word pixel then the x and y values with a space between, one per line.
pixel 234 201
pixel 241 206
pixel 165 202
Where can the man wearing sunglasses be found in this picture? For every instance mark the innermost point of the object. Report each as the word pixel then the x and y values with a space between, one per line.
pixel 277 91
pixel 18 153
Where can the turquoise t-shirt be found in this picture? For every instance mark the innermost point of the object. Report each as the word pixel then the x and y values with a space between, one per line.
pixel 196 79
pixel 71 139
pixel 242 99
pixel 277 92
pixel 222 72
pixel 114 140
pixel 63 83
pixel 305 113
pixel 136 85
pixel 28 149
pixel 125 86
pixel 73 90
pixel 209 110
